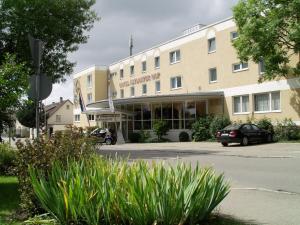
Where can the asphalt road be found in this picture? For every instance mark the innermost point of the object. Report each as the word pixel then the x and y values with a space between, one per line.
pixel 265 179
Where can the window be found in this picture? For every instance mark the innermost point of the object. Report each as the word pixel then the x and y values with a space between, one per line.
pixel 261 66
pixel 89 97
pixel 91 117
pixel 212 75
pixel 239 67
pixel 132 91
pixel 241 104
pixel 144 89
pixel 144 66
pixel 211 45
pixel 132 70
pixel 58 118
pixel 175 56
pixel 77 117
pixel 157 62
pixel 67 107
pixel 89 81
pixel 157 86
pixel 267 102
pixel 121 73
pixel 176 82
pixel 234 35
pixel 122 93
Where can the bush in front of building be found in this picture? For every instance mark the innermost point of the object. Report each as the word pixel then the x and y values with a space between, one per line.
pixel 101 191
pixel 266 124
pixel 218 123
pixel 7 160
pixel 184 136
pixel 134 137
pixel 160 128
pixel 41 154
pixel 200 129
pixel 287 130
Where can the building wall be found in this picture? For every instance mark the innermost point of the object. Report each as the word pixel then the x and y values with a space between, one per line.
pixel 66 115
pixel 98 89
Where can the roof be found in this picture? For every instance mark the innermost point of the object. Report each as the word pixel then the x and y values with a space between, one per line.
pixel 104 103
pixel 52 108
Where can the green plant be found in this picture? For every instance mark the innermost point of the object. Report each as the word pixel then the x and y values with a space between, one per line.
pixel 7 159
pixel 200 129
pixel 287 130
pixel 160 128
pixel 134 137
pixel 144 136
pixel 184 136
pixel 100 191
pixel 266 124
pixel 41 154
pixel 218 123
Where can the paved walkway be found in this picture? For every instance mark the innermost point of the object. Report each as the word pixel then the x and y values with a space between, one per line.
pixel 265 179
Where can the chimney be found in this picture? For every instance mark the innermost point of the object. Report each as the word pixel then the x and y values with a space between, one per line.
pixel 61 99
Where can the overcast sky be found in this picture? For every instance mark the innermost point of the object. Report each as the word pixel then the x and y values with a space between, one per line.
pixel 149 21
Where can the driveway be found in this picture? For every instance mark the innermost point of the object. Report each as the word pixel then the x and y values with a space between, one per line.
pixel 265 179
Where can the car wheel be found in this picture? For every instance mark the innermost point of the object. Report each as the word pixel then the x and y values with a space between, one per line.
pixel 245 141
pixel 108 141
pixel 225 144
pixel 270 138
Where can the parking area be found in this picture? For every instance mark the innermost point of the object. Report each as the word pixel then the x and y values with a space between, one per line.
pixel 265 178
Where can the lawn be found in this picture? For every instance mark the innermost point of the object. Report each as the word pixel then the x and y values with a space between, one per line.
pixel 9 198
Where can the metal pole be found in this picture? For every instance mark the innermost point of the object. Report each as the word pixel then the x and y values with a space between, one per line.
pixel 37 102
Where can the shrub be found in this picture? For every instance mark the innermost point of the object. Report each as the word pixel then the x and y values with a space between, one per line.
pixel 287 130
pixel 134 137
pixel 144 136
pixel 265 124
pixel 160 128
pixel 100 191
pixel 63 146
pixel 218 123
pixel 7 160
pixel 184 136
pixel 200 129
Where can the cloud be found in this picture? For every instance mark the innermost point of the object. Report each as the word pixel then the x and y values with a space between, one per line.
pixel 150 23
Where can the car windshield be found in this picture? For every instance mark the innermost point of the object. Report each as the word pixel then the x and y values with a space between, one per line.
pixel 232 127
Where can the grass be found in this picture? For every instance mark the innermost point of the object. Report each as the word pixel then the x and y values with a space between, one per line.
pixel 9 198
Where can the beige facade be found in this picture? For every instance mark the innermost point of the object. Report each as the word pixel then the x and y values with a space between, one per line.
pixel 199 63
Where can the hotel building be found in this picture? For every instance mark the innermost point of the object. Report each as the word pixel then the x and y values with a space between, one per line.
pixel 195 74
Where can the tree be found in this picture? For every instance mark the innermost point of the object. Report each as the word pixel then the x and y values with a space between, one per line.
pixel 62 24
pixel 160 128
pixel 13 84
pixel 269 30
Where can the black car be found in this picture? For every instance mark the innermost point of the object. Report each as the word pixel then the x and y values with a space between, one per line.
pixel 243 134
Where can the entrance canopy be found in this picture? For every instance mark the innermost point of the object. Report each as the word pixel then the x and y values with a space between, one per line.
pixel 103 105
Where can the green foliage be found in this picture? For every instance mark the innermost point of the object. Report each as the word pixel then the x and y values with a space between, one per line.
pixel 184 136
pixel 63 146
pixel 160 128
pixel 134 137
pixel 144 136
pixel 99 191
pixel 287 130
pixel 200 129
pixel 26 114
pixel 218 123
pixel 62 25
pixel 266 124
pixel 269 30
pixel 7 159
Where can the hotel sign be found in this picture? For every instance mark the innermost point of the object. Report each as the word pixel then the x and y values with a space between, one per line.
pixel 140 80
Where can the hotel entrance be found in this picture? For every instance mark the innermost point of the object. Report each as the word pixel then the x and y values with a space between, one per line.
pixel 136 114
